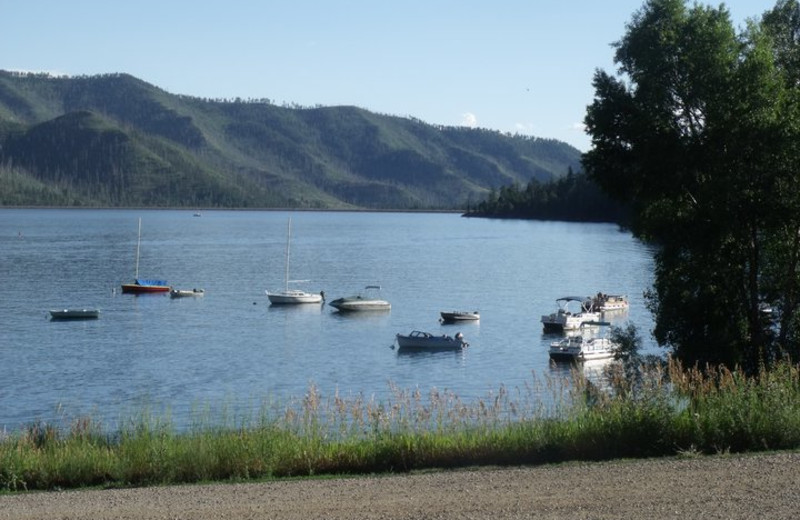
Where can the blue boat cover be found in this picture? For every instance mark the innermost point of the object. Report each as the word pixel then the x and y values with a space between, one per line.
pixel 141 281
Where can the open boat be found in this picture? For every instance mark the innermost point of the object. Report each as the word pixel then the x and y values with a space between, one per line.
pixel 572 313
pixel 456 316
pixel 418 340
pixel 140 285
pixel 74 314
pixel 292 296
pixel 369 301
pixel 580 348
pixel 186 293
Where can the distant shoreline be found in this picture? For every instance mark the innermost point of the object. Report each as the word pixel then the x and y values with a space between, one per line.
pixel 305 210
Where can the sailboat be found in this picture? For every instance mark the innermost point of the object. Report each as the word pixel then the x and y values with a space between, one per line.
pixel 140 285
pixel 287 295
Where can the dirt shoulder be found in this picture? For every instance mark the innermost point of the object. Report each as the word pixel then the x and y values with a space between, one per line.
pixel 750 486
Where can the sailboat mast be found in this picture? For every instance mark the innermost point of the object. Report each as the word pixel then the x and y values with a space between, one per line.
pixel 288 240
pixel 138 243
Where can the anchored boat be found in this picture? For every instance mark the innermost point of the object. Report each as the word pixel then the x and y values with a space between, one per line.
pixel 582 348
pixel 140 285
pixel 74 314
pixel 292 296
pixel 419 340
pixel 456 316
pixel 370 300
pixel 572 312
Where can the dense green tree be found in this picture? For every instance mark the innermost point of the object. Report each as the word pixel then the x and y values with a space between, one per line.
pixel 571 198
pixel 699 133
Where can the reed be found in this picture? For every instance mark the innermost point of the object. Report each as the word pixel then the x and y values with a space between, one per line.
pixel 663 411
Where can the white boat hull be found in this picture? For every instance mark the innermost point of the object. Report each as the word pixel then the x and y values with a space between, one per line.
pixel 561 321
pixel 577 348
pixel 293 297
pixel 360 304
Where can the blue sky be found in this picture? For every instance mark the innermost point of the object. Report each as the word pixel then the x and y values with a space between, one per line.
pixel 518 66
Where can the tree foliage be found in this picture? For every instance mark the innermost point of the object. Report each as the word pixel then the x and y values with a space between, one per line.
pixel 571 198
pixel 700 133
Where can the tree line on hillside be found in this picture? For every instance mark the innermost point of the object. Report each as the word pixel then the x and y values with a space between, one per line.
pixel 114 140
pixel 572 198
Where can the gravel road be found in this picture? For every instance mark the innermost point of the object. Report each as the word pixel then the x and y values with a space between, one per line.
pixel 731 487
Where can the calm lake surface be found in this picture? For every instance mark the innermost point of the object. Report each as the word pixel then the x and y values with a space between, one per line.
pixel 232 350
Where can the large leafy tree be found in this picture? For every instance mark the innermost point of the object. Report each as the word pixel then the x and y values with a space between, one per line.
pixel 699 132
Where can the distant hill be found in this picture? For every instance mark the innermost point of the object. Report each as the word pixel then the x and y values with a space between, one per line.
pixel 114 140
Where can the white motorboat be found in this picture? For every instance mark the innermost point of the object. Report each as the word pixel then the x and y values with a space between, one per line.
pixel 610 302
pixel 580 348
pixel 289 296
pixel 456 316
pixel 370 300
pixel 74 314
pixel 186 293
pixel 418 340
pixel 572 313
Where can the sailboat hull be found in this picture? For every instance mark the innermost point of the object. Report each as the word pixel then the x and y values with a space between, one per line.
pixel 293 297
pixel 135 288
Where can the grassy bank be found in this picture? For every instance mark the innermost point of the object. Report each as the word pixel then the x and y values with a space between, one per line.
pixel 665 412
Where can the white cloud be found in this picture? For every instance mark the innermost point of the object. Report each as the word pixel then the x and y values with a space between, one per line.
pixel 578 127
pixel 524 128
pixel 469 119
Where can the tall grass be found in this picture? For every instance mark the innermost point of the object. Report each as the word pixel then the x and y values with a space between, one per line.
pixel 666 411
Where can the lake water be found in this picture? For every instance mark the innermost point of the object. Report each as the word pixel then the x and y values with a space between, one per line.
pixel 232 349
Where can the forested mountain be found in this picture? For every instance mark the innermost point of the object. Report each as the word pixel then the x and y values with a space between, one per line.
pixel 114 140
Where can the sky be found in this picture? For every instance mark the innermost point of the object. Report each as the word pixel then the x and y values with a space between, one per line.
pixel 515 66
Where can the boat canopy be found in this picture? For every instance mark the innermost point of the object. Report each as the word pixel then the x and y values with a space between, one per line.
pixel 586 303
pixel 573 299
pixel 142 281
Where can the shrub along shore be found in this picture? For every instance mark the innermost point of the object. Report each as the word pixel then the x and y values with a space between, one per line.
pixel 661 411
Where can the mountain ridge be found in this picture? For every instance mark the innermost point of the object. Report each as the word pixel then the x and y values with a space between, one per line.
pixel 116 141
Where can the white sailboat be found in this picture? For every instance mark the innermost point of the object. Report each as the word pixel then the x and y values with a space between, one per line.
pixel 287 295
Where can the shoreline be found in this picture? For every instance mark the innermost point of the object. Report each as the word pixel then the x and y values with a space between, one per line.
pixel 193 209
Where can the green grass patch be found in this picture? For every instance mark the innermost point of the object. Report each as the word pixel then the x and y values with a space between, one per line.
pixel 666 411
